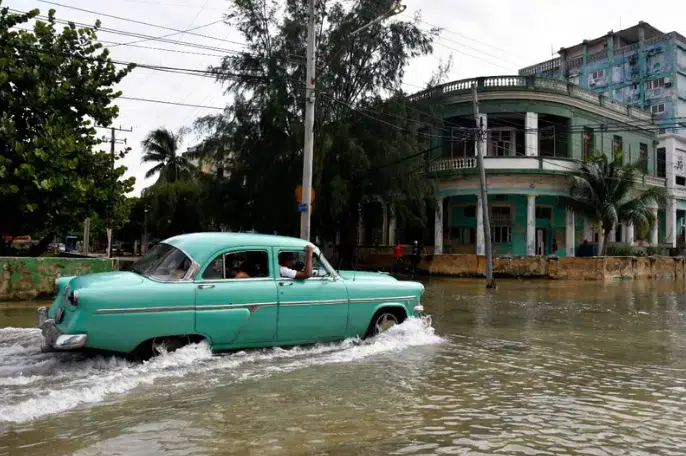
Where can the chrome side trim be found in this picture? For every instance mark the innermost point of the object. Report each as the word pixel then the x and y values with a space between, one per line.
pixel 384 299
pixel 252 305
pixel 236 306
pixel 313 303
pixel 247 279
pixel 145 309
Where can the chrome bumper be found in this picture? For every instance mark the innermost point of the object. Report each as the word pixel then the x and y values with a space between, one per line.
pixel 418 309
pixel 53 339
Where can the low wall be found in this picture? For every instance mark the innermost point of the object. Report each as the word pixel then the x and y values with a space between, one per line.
pixel 30 278
pixel 585 268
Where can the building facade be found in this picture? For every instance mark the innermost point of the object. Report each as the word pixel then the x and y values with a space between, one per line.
pixel 538 132
pixel 640 65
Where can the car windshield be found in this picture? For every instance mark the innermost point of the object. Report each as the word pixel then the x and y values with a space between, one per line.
pixel 163 262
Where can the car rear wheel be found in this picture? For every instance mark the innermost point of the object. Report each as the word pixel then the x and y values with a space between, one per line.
pixel 161 345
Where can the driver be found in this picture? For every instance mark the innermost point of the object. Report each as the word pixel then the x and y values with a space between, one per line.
pixel 286 265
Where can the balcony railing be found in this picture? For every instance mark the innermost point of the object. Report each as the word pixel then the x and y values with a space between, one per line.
pixel 559 86
pixel 552 164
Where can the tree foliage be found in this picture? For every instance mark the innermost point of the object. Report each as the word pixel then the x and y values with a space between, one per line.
pixel 55 87
pixel 606 191
pixel 365 128
pixel 163 147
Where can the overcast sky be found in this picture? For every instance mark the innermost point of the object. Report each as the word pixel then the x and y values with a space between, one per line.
pixel 486 37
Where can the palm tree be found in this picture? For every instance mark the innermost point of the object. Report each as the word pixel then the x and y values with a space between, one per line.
pixel 162 147
pixel 606 192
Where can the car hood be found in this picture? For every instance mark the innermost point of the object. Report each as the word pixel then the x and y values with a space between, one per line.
pixel 362 275
pixel 106 279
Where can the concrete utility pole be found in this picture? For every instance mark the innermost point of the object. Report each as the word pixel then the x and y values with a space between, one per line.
pixel 481 138
pixel 110 226
pixel 305 215
pixel 310 79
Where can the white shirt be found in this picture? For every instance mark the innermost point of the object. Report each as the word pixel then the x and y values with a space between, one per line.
pixel 287 272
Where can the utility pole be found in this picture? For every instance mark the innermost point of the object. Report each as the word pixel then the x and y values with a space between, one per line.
pixel 305 215
pixel 481 138
pixel 310 79
pixel 110 226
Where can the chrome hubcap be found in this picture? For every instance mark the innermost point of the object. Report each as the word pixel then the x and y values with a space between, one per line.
pixel 385 322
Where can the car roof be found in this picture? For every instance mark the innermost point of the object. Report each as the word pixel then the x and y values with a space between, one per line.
pixel 202 246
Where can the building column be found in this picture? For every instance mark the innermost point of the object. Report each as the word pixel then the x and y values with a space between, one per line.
pixel 485 142
pixel 384 224
pixel 438 226
pixel 588 230
pixel 360 226
pixel 480 243
pixel 531 135
pixel 530 225
pixel 392 226
pixel 629 234
pixel 570 233
pixel 670 214
pixel 655 229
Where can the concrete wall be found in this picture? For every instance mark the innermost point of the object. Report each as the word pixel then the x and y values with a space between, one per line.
pixel 595 268
pixel 29 278
pixel 587 268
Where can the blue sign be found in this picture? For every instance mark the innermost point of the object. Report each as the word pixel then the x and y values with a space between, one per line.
pixel 302 207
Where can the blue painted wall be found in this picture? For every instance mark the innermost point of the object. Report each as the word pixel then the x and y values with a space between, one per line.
pixel 623 77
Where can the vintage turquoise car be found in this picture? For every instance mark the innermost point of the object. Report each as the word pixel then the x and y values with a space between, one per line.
pixel 185 290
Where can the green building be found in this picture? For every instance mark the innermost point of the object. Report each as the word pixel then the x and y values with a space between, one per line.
pixel 538 132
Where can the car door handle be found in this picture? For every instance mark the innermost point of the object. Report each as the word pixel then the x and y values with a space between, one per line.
pixel 202 287
pixel 286 284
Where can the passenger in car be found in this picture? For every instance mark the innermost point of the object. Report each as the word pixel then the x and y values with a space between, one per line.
pixel 286 265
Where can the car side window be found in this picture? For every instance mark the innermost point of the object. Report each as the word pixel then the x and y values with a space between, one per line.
pixel 246 264
pixel 299 260
pixel 238 265
pixel 215 270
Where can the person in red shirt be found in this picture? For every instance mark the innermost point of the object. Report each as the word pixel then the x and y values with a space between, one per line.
pixel 398 254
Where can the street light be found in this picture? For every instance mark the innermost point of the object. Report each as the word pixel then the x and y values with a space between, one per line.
pixel 306 206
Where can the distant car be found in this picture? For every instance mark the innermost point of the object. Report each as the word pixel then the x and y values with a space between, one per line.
pixel 183 291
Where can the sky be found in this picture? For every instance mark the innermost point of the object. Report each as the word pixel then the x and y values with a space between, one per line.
pixel 485 38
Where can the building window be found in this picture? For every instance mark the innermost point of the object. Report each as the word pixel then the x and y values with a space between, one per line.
pixel 643 158
pixel 470 211
pixel 598 74
pixel 661 164
pixel 680 180
pixel 588 143
pixel 617 146
pixel 501 234
pixel 465 235
pixel 544 212
pixel 618 233
pixel 501 143
pixel 658 108
pixel 501 221
pixel 655 84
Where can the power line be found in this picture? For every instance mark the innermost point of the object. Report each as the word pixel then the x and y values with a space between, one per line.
pixel 187 32
pixel 148 100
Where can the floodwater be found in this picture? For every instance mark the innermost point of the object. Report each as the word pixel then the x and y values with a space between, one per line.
pixel 537 368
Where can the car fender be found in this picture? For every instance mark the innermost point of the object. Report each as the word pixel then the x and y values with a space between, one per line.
pixel 390 305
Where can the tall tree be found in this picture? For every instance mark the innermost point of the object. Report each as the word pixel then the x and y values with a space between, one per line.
pixel 359 130
pixel 163 147
pixel 606 191
pixel 55 88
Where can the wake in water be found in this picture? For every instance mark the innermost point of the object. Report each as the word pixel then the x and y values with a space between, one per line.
pixel 35 384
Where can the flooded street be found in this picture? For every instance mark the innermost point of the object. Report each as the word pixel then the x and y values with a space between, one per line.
pixel 538 368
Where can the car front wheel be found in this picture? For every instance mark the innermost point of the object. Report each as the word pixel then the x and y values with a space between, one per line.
pixel 383 321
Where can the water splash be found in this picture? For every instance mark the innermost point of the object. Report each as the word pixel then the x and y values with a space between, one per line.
pixel 37 384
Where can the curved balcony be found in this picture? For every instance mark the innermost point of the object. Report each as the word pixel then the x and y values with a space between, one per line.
pixel 519 83
pixel 520 163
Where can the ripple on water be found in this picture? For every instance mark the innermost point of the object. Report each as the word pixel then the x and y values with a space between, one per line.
pixel 37 384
